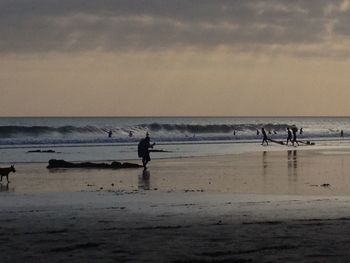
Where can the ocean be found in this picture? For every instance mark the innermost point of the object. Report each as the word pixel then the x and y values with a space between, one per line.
pixel 87 139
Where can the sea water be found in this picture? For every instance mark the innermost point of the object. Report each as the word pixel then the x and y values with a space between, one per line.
pixel 87 138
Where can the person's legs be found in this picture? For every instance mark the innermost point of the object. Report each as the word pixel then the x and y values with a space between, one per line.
pixel 145 159
pixel 295 141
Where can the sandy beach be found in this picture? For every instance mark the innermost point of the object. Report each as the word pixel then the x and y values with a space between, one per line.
pixel 239 109
pixel 269 206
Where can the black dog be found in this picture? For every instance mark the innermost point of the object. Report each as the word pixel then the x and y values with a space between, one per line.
pixel 6 171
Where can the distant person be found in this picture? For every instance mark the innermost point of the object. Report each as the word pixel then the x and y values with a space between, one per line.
pixel 289 137
pixel 265 139
pixel 234 132
pixel 294 131
pixel 342 133
pixel 130 134
pixel 143 150
pixel 257 132
pixel 269 131
pixel 110 133
pixel 301 131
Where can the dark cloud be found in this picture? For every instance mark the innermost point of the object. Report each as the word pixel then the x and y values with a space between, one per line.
pixel 117 25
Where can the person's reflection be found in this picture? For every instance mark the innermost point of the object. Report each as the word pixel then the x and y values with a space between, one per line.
pixel 264 156
pixel 144 180
pixel 290 161
pixel 292 165
pixel 295 162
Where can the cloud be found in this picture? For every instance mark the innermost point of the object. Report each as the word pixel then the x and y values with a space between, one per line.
pixel 28 26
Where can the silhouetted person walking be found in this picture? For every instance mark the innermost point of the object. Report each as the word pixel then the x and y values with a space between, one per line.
pixel 289 138
pixel 143 150
pixel 264 137
pixel 301 131
pixel 342 133
pixel 295 130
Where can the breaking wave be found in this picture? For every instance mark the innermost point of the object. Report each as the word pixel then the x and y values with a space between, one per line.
pixel 213 128
pixel 12 131
pixel 160 132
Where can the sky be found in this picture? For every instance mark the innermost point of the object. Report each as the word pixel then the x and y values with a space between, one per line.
pixel 174 58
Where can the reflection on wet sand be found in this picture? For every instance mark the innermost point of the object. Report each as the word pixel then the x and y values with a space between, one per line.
pixel 144 180
pixel 271 172
pixel 4 187
pixel 264 160
pixel 292 165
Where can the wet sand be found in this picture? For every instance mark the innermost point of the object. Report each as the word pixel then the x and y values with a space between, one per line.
pixel 257 207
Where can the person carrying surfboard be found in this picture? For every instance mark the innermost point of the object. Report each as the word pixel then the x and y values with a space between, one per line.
pixel 265 139
pixel 143 150
pixel 294 131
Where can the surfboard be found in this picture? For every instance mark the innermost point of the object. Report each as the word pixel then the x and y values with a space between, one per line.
pixel 279 142
pixel 306 142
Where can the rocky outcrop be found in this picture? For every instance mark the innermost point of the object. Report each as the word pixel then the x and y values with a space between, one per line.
pixel 53 163
pixel 42 151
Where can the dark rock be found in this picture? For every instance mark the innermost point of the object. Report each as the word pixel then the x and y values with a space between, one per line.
pixel 116 165
pixel 41 151
pixel 131 165
pixel 53 163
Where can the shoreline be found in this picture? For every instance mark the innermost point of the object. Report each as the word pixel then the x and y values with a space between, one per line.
pixel 103 153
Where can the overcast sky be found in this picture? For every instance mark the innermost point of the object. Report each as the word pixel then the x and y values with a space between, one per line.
pixel 169 57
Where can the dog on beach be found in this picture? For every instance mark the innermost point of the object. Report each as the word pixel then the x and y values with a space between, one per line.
pixel 6 171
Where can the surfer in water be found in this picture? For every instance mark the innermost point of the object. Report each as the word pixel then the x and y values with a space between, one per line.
pixel 143 150
pixel 264 137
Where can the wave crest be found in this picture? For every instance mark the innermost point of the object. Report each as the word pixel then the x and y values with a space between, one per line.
pixel 213 128
pixel 14 131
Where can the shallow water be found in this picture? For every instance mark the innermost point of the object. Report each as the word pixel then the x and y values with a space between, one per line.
pixel 291 172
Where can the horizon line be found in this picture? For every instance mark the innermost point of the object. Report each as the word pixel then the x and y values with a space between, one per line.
pixel 180 116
